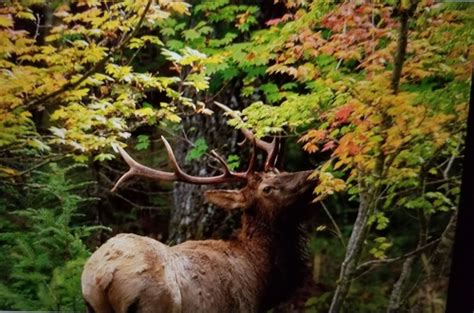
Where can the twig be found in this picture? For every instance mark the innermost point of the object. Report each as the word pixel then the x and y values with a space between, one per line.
pixel 447 235
pixel 189 142
pixel 44 162
pixel 361 268
pixel 38 22
pixel 209 100
pixel 451 160
pixel 134 56
pixel 135 205
pixel 336 227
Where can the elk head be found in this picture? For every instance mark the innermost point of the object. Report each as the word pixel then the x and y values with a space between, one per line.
pixel 271 192
pixel 268 194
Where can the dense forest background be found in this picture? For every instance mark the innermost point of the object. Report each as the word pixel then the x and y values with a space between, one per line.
pixel 372 95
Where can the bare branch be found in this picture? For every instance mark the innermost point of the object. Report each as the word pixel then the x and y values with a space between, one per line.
pixel 336 227
pixel 399 58
pixel 367 265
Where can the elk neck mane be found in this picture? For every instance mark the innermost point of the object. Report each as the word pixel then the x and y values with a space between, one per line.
pixel 279 251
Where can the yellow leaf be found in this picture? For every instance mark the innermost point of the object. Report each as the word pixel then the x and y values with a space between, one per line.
pixel 9 171
pixel 405 4
pixel 95 54
pixel 173 118
pixel 144 112
pixel 26 15
pixel 152 39
pixel 135 43
pixel 6 20
pixel 339 164
pixel 180 7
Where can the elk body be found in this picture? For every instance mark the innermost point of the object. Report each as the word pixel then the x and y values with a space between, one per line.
pixel 252 272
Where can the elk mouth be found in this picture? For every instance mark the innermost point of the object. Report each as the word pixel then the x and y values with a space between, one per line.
pixel 304 186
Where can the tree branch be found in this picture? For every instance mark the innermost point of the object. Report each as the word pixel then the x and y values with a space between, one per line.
pixel 133 204
pixel 399 58
pixel 367 265
pixel 40 164
pixel 336 227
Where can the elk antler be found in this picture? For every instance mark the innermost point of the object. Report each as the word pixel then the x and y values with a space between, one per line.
pixel 137 169
pixel 271 148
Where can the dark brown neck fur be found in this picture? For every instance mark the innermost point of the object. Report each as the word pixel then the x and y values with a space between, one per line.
pixel 278 250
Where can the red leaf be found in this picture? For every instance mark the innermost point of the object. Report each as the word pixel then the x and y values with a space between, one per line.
pixel 328 146
pixel 287 17
pixel 343 113
pixel 273 22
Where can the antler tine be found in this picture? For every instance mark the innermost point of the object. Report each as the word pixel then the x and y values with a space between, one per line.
pixel 253 159
pixel 174 164
pixel 137 169
pixel 227 176
pixel 272 156
pixel 250 168
pixel 221 160
pixel 271 148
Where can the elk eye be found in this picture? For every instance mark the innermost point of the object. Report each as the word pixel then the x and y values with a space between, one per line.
pixel 267 189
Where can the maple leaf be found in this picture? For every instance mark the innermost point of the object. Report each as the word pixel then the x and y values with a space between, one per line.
pixel 328 146
pixel 342 115
pixel 276 21
pixel 310 147
pixel 352 148
pixel 273 22
pixel 316 134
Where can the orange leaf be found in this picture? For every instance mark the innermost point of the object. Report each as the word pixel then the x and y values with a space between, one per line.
pixel 343 113
pixel 310 147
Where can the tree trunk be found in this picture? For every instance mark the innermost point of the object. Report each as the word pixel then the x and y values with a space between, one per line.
pixel 351 260
pixel 396 300
pixel 191 217
pixel 399 58
pixel 398 288
pixel 431 290
pixel 359 233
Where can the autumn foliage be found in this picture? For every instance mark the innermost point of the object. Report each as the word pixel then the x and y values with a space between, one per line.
pixel 373 93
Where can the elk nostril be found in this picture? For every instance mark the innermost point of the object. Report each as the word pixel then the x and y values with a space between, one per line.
pixel 133 308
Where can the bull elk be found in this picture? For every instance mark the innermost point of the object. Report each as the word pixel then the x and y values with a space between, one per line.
pixel 260 267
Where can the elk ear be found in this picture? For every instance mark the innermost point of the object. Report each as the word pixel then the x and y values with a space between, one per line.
pixel 226 199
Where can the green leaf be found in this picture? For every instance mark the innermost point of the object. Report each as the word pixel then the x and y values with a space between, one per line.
pixel 233 161
pixel 143 142
pixel 191 34
pixel 199 149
